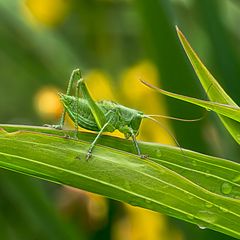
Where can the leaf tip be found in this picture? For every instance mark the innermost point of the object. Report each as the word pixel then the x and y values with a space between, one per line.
pixel 179 32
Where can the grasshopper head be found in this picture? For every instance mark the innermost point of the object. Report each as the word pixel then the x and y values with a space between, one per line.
pixel 135 123
pixel 133 126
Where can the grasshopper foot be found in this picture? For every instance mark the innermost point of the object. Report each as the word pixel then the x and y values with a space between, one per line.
pixel 89 154
pixel 143 156
pixel 59 127
pixel 66 136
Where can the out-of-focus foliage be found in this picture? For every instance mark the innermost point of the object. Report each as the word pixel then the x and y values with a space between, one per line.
pixel 115 43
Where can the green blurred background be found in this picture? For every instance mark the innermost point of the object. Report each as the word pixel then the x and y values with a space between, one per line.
pixel 114 43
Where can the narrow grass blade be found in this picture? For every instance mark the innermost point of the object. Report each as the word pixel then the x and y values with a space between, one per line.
pixel 150 183
pixel 213 89
pixel 231 111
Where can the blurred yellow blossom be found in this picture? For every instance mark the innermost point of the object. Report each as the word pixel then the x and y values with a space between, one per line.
pixel 141 224
pixel 79 204
pixel 145 99
pixel 47 103
pixel 132 87
pixel 97 208
pixel 99 84
pixel 47 12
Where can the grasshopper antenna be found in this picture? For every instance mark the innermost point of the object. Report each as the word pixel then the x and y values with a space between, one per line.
pixel 177 119
pixel 174 94
pixel 174 118
pixel 152 118
pixel 162 126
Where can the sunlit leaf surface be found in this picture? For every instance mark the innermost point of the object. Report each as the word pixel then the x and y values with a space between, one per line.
pixel 196 188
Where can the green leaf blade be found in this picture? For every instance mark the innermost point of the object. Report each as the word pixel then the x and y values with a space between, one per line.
pixel 227 110
pixel 230 111
pixel 213 89
pixel 119 175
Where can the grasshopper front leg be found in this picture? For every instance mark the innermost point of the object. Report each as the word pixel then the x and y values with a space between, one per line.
pixel 142 156
pixel 128 132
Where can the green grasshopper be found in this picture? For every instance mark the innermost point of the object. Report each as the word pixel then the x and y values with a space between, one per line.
pixel 102 116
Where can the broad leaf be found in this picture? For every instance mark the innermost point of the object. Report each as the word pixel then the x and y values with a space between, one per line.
pixel 196 188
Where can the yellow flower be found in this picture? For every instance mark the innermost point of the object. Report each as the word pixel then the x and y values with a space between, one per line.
pixel 146 100
pixel 140 223
pixel 79 204
pixel 47 103
pixel 99 85
pixel 47 12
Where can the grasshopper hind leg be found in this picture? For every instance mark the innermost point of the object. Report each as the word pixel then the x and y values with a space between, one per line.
pixel 76 74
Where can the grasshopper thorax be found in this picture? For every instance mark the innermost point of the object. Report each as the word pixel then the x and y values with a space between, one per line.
pixel 129 120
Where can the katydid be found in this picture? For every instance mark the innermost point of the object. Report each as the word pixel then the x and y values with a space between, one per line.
pixel 101 116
